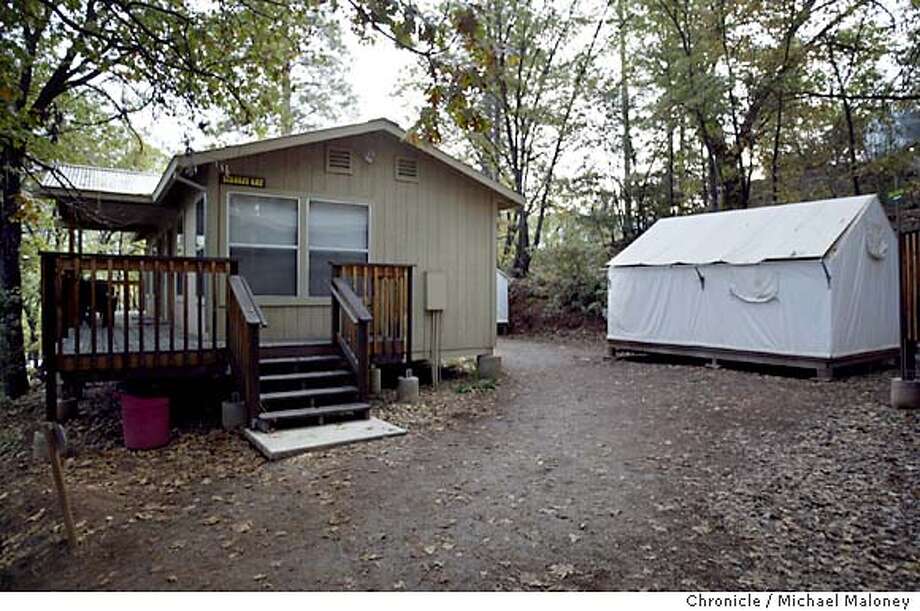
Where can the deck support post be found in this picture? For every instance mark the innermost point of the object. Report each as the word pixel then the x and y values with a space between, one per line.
pixel 49 333
pixel 51 395
pixel 905 394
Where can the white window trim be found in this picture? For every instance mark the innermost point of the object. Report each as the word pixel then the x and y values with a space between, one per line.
pixel 295 247
pixel 263 246
pixel 310 248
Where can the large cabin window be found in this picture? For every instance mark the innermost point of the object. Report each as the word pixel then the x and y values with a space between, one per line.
pixel 338 234
pixel 263 238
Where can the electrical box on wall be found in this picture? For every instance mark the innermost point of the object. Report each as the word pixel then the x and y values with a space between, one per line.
pixel 435 291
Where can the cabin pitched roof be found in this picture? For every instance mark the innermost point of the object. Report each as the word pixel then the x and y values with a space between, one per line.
pixel 148 188
pixel 742 237
pixel 334 133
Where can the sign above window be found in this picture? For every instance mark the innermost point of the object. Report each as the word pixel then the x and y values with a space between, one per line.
pixel 239 180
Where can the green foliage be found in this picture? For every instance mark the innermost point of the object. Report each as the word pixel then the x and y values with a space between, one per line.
pixel 478 385
pixel 568 271
pixel 308 88
pixel 531 67
pixel 69 70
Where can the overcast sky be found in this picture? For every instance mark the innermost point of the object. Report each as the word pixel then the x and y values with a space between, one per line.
pixel 375 72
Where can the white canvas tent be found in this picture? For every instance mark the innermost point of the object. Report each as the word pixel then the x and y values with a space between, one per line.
pixel 501 293
pixel 812 284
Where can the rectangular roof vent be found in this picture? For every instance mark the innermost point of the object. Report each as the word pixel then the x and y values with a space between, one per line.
pixel 407 169
pixel 338 160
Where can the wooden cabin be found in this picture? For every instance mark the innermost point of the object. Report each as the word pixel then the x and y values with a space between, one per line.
pixel 299 262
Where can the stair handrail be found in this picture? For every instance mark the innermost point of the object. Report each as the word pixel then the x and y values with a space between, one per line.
pixel 247 300
pixel 350 302
pixel 356 349
pixel 386 289
pixel 245 319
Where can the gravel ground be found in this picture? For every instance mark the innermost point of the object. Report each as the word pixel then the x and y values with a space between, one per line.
pixel 573 473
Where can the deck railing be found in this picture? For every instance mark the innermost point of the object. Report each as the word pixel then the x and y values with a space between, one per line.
pixel 120 312
pixel 244 321
pixel 385 290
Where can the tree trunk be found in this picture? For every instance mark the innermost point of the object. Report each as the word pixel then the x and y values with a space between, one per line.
pixel 728 173
pixel 704 178
pixel 628 222
pixel 286 120
pixel 521 265
pixel 848 116
pixel 715 203
pixel 733 192
pixel 851 143
pixel 774 162
pixel 12 349
pixel 670 169
pixel 513 222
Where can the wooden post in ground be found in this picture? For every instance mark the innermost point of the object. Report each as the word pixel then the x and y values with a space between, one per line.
pixel 53 439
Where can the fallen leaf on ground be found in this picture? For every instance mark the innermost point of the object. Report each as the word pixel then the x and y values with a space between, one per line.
pixel 561 571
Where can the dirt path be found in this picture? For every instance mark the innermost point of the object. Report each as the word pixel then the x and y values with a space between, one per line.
pixel 586 474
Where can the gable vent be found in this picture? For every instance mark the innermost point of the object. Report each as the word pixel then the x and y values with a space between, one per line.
pixel 338 161
pixel 407 169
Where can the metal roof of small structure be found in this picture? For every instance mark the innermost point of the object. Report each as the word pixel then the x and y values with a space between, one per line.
pixel 89 179
pixel 743 237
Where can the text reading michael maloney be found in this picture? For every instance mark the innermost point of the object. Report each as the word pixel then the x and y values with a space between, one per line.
pixel 776 600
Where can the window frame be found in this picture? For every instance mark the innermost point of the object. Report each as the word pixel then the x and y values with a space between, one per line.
pixel 310 248
pixel 297 241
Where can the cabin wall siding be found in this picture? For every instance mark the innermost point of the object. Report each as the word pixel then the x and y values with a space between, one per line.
pixel 445 222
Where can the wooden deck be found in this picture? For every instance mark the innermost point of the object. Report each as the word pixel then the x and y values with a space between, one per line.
pixel 159 350
pixel 156 339
pixel 112 317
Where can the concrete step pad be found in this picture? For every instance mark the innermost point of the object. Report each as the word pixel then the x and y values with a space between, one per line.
pixel 289 442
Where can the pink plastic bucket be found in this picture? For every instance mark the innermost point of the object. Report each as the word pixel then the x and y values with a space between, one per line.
pixel 144 421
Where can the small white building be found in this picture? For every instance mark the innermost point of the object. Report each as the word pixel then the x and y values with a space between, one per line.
pixel 501 293
pixel 812 285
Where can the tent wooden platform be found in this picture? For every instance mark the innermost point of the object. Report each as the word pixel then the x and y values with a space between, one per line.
pixel 825 369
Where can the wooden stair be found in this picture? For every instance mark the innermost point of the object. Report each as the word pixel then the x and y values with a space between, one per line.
pixel 307 384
